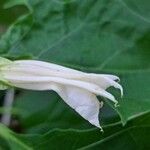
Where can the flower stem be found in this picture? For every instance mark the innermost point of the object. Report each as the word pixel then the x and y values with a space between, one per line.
pixel 8 102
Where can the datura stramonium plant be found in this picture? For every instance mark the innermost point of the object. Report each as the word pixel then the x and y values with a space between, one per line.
pixel 78 89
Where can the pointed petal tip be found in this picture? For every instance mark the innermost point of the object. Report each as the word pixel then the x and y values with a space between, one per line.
pixel 101 104
pixel 101 129
pixel 121 91
pixel 114 100
pixel 118 86
pixel 114 83
pixel 117 79
pixel 113 77
pixel 98 126
pixel 116 104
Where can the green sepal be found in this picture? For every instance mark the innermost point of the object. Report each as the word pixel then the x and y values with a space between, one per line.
pixel 4 84
pixel 4 61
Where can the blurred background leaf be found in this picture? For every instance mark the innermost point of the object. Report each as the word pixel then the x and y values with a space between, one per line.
pixel 135 135
pixel 41 111
pixel 8 16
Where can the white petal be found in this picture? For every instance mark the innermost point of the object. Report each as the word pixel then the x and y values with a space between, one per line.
pixel 41 69
pixel 115 84
pixel 46 65
pixel 78 89
pixel 105 81
pixel 28 70
pixel 81 84
pixel 34 86
pixel 24 69
pixel 32 67
pixel 57 68
pixel 84 102
pixel 113 77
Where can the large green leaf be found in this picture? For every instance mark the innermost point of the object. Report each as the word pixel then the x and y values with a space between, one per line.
pixel 7 136
pixel 7 16
pixel 41 111
pixel 135 135
pixel 129 139
pixel 91 35
pixel 103 36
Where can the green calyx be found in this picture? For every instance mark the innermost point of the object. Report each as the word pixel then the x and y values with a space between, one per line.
pixel 4 61
pixel 3 83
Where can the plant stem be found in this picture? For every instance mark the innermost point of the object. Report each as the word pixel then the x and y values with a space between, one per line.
pixel 8 102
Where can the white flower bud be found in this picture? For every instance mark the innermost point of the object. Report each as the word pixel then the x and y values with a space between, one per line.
pixel 78 89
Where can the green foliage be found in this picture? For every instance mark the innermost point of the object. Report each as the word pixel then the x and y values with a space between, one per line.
pixel 102 36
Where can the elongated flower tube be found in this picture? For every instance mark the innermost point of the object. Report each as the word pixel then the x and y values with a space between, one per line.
pixel 78 89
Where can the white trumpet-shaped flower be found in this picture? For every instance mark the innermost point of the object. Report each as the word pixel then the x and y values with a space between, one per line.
pixel 78 89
